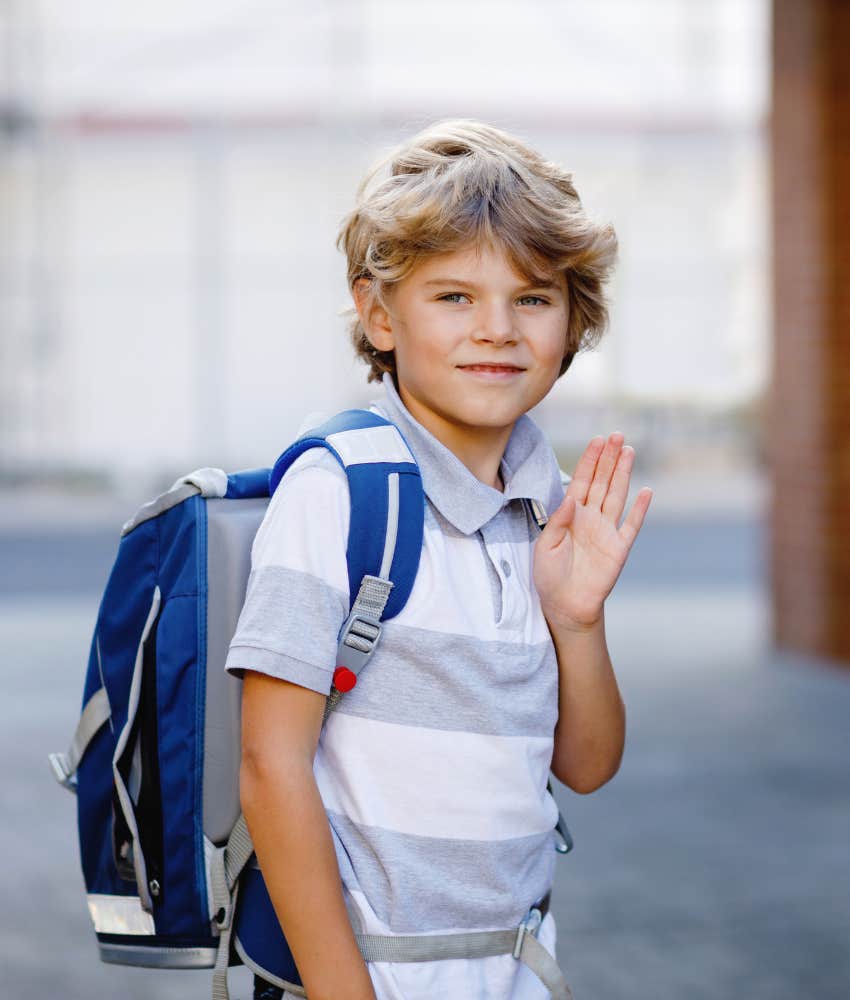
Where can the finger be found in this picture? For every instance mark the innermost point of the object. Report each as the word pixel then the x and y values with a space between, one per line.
pixel 604 469
pixel 615 501
pixel 632 524
pixel 580 483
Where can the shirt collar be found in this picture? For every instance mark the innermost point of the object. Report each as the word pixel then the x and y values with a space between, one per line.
pixel 529 468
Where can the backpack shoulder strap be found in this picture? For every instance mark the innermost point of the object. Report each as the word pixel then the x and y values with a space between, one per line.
pixel 387 502
pixel 385 528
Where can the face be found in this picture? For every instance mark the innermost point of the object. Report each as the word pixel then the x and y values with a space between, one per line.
pixel 476 345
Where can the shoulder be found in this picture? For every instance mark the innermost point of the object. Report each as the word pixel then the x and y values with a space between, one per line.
pixel 315 476
pixel 308 514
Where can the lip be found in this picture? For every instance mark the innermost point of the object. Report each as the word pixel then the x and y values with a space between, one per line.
pixel 489 369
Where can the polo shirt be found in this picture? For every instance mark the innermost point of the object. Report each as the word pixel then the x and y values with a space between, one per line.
pixel 433 769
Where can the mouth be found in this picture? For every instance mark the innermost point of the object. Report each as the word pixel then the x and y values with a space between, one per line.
pixel 491 368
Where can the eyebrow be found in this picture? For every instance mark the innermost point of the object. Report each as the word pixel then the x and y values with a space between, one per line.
pixel 542 285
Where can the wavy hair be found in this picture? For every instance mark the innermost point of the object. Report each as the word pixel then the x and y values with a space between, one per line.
pixel 461 182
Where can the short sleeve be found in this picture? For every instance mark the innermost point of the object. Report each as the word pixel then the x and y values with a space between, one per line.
pixel 297 595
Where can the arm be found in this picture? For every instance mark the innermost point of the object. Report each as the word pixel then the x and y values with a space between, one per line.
pixel 292 839
pixel 591 730
pixel 577 560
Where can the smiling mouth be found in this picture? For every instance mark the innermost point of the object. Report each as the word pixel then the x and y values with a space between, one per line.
pixel 497 369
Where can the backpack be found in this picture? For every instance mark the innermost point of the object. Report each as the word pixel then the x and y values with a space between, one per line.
pixel 154 760
pixel 155 757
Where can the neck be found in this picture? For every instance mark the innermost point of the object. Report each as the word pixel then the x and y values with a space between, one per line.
pixel 479 449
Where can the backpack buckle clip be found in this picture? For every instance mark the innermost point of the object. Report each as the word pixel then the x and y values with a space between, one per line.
pixel 357 642
pixel 530 925
pixel 62 772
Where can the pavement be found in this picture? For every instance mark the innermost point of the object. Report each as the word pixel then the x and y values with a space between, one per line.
pixel 715 864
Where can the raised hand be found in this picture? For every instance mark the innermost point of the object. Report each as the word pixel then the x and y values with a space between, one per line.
pixel 581 551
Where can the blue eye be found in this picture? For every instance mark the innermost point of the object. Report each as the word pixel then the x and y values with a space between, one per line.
pixel 535 298
pixel 452 297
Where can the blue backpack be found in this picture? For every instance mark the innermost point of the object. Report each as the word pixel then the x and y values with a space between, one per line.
pixel 155 757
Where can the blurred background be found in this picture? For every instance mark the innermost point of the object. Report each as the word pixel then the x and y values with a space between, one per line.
pixel 172 176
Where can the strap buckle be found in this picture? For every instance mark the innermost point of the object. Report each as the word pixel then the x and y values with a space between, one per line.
pixel 360 633
pixel 563 840
pixel 62 771
pixel 357 641
pixel 529 925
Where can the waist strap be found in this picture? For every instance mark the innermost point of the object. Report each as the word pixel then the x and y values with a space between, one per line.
pixel 521 942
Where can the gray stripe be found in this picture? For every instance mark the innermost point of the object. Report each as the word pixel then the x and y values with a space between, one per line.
pixel 289 627
pixel 265 661
pixel 419 884
pixel 495 688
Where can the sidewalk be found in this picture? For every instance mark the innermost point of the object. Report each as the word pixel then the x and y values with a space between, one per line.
pixel 716 864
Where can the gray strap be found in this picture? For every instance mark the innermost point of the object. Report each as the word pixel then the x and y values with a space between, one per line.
pixel 372 597
pixel 121 789
pixel 222 959
pixel 361 631
pixel 94 715
pixel 534 955
pixel 433 947
pixel 237 852
pixel 226 864
pixel 477 944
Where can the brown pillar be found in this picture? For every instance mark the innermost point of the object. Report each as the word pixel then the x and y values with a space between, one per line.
pixel 809 410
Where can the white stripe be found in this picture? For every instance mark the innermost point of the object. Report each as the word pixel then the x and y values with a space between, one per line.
pixel 370 444
pixel 451 593
pixel 119 915
pixel 313 492
pixel 478 787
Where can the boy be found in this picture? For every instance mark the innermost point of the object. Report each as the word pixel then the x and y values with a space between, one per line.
pixel 421 806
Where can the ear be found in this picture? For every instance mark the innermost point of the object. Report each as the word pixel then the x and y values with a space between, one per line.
pixel 376 321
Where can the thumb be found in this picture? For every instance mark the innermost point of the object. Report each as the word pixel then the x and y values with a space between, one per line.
pixel 558 524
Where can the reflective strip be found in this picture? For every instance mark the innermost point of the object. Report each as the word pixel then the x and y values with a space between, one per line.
pixel 370 444
pixel 158 957
pixel 119 915
pixel 123 793
pixel 392 525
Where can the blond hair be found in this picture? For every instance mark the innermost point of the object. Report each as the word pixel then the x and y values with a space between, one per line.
pixel 462 182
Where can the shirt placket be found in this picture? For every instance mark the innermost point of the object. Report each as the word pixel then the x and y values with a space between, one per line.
pixel 498 552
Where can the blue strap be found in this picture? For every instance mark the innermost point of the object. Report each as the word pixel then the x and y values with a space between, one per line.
pixel 248 485
pixel 368 483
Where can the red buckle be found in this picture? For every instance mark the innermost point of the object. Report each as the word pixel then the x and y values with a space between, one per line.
pixel 344 679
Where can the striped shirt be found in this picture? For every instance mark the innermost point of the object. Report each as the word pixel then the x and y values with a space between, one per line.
pixel 433 769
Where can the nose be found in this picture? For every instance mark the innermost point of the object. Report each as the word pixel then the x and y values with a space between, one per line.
pixel 496 324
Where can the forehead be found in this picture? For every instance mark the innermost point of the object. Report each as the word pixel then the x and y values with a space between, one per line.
pixel 479 262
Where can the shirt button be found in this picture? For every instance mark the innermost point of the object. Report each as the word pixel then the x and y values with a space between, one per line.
pixel 506 567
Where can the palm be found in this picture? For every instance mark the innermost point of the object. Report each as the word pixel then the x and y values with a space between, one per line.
pixel 582 550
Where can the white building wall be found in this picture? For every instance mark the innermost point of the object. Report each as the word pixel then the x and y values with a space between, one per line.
pixel 171 291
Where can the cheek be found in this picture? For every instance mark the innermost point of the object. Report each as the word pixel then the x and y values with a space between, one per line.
pixel 553 347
